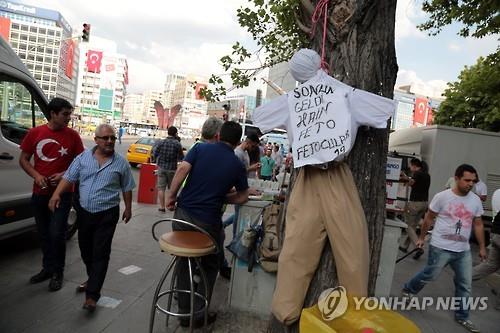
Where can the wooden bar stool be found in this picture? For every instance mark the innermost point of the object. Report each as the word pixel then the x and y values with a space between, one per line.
pixel 191 245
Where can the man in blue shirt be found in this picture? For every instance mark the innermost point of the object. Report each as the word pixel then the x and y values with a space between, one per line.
pixel 102 175
pixel 213 171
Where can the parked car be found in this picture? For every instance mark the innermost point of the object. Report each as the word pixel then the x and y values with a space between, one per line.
pixel 140 151
pixel 23 105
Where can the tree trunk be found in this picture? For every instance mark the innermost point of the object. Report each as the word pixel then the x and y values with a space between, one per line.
pixel 361 53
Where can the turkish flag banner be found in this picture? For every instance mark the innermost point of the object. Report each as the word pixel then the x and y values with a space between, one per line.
pixel 429 116
pixel 94 59
pixel 5 28
pixel 421 105
pixel 197 94
pixel 110 67
pixel 70 53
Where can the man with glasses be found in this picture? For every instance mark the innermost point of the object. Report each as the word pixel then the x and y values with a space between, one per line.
pixel 102 175
pixel 53 147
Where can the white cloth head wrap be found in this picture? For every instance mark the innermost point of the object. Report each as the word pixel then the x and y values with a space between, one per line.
pixel 304 64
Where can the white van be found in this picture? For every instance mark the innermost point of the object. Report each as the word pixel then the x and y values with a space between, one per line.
pixel 23 105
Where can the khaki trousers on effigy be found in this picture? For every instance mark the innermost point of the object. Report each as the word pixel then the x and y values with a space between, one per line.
pixel 323 203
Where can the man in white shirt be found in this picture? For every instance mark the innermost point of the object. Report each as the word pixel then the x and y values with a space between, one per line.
pixel 456 212
pixel 277 156
pixel 480 189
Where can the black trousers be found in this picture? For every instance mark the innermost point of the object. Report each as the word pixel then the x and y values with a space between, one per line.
pixel 52 230
pixel 95 234
pixel 210 263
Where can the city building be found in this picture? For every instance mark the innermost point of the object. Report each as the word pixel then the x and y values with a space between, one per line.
pixel 280 76
pixel 413 110
pixel 238 108
pixel 133 108
pixel 148 111
pixel 102 81
pixel 44 41
pixel 172 80
pixel 184 90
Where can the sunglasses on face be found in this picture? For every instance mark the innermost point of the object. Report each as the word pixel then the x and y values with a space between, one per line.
pixel 107 137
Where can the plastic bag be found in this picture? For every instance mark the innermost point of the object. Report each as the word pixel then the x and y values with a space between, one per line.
pixel 356 321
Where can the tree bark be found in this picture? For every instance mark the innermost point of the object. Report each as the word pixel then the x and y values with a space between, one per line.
pixel 361 53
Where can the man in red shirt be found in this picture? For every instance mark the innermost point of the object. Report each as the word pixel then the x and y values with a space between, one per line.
pixel 53 146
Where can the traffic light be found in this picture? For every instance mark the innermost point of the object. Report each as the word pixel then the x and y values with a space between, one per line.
pixel 86 32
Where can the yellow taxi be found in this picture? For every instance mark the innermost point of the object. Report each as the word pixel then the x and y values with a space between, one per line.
pixel 140 151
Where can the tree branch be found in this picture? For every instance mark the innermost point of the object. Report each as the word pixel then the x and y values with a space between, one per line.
pixel 308 6
pixel 302 26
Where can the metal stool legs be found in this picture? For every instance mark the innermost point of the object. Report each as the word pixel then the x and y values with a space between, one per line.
pixel 156 295
pixel 173 289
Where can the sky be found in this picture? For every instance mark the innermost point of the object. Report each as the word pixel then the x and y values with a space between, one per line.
pixel 189 36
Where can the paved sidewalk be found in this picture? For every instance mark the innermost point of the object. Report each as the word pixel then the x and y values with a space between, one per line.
pixel 32 308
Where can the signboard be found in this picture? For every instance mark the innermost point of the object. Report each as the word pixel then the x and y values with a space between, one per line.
pixel 5 28
pixel 392 172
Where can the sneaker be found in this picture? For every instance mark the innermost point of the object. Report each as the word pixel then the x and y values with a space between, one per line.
pixel 40 277
pixel 56 282
pixel 418 254
pixel 468 325
pixel 407 295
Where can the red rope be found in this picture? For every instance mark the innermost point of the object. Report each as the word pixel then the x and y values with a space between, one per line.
pixel 321 10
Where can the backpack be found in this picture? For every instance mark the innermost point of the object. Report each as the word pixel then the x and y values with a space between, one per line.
pixel 270 243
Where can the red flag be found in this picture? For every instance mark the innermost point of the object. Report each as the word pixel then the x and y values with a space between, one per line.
pixel 160 114
pixel 420 110
pixel 70 53
pixel 94 59
pixel 197 94
pixel 4 28
pixel 110 67
pixel 429 116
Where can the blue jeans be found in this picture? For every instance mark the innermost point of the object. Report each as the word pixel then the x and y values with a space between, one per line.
pixel 460 263
pixel 51 229
pixel 230 220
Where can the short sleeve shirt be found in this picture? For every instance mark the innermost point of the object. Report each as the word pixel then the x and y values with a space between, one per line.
pixel 215 169
pixel 322 116
pixel 53 151
pixel 242 156
pixel 420 189
pixel 454 220
pixel 266 166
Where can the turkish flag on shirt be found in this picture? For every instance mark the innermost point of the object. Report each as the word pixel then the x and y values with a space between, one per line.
pixel 94 61
pixel 420 110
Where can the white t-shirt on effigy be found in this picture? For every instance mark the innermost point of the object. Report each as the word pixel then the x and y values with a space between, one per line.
pixel 454 221
pixel 322 117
